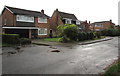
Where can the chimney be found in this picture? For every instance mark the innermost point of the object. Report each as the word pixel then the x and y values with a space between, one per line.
pixel 42 11
pixel 86 21
pixel 110 20
pixel 89 22
pixel 57 9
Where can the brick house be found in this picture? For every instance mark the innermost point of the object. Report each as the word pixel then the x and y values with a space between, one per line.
pixel 26 23
pixel 60 18
pixel 85 25
pixel 117 27
pixel 98 26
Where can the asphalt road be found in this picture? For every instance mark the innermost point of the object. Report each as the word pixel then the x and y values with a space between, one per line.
pixel 78 59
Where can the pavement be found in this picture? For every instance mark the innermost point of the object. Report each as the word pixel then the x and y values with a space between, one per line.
pixel 48 43
pixel 75 59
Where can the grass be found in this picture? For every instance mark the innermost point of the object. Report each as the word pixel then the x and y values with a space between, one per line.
pixel 56 39
pixel 51 39
pixel 113 70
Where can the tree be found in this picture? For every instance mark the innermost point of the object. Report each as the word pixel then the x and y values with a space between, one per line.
pixel 68 30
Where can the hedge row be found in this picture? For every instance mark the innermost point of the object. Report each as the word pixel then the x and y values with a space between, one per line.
pixel 85 36
pixel 81 36
pixel 110 32
pixel 14 39
pixel 10 38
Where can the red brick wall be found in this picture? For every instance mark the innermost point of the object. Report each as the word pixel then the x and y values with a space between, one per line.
pixel 9 17
pixel 85 26
pixel 55 21
pixel 42 25
pixel 106 25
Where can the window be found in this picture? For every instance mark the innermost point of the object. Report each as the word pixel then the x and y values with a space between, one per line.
pixel 68 21
pixel 77 22
pixel 42 31
pixel 42 20
pixel 24 18
pixel 98 25
pixel 5 21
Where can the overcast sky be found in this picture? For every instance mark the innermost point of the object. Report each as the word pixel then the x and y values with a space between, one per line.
pixel 91 10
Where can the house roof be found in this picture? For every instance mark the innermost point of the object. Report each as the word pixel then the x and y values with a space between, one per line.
pixel 26 12
pixel 102 22
pixel 67 15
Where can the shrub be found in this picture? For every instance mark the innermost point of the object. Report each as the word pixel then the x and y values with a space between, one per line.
pixel 111 32
pixel 63 39
pixel 98 35
pixel 10 38
pixel 85 36
pixel 24 41
pixel 68 30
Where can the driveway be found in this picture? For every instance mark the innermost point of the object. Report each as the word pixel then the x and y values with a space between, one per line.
pixel 76 59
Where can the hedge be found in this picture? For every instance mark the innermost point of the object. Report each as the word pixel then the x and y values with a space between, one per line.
pixel 24 41
pixel 10 38
pixel 111 32
pixel 85 36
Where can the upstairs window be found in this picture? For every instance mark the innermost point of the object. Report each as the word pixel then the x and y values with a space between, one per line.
pixel 68 21
pixel 42 20
pixel 98 25
pixel 24 18
pixel 77 22
pixel 42 31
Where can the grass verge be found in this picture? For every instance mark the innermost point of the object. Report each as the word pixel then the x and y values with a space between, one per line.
pixel 113 70
pixel 51 39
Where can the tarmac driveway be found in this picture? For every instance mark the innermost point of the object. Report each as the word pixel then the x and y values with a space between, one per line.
pixel 77 59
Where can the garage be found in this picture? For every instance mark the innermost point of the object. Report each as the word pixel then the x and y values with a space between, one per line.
pixel 23 33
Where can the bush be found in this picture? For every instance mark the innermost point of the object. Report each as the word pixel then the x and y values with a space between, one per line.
pixel 111 32
pixel 10 38
pixel 69 31
pixel 24 41
pixel 98 35
pixel 63 39
pixel 85 36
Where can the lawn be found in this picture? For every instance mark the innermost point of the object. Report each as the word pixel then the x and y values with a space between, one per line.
pixel 57 39
pixel 113 70
pixel 51 39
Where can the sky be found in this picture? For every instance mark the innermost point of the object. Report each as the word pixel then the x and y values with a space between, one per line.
pixel 90 10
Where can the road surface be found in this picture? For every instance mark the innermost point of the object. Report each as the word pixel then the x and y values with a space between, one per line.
pixel 77 59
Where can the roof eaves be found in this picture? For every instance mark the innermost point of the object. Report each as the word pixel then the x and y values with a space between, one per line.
pixel 8 9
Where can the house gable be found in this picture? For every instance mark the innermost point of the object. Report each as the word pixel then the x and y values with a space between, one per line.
pixel 8 18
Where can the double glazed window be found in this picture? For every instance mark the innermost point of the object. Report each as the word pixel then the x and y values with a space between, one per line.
pixel 42 31
pixel 24 18
pixel 77 22
pixel 98 25
pixel 42 20
pixel 68 21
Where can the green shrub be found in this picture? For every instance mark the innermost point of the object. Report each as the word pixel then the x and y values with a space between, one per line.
pixel 85 36
pixel 80 36
pixel 24 41
pixel 98 35
pixel 10 38
pixel 63 39
pixel 111 32
pixel 68 30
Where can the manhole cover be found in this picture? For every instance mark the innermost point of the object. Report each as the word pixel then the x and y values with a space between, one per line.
pixel 55 51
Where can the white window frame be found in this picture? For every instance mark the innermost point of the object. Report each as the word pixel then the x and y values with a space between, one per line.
pixel 98 25
pixel 39 20
pixel 77 22
pixel 24 18
pixel 45 29
pixel 68 20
